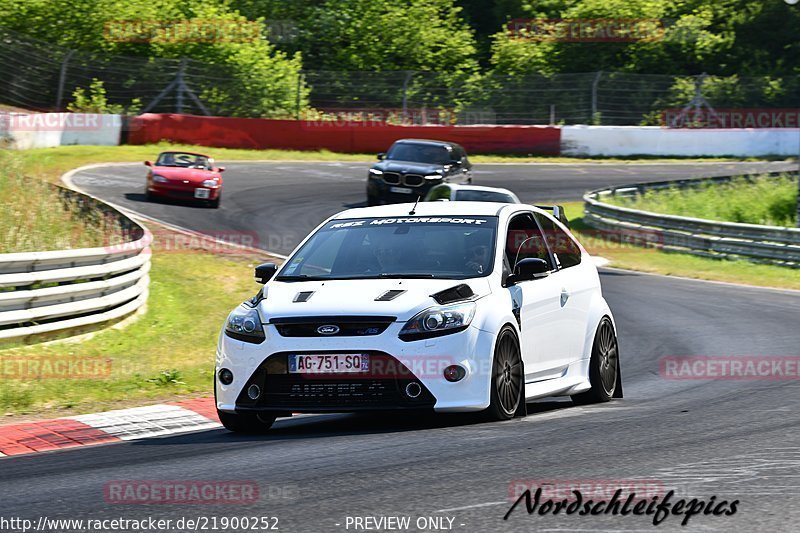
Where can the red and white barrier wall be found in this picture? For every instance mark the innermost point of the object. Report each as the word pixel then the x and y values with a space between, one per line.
pixel 56 129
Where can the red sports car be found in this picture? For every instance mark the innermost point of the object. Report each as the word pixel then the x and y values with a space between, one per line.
pixel 184 176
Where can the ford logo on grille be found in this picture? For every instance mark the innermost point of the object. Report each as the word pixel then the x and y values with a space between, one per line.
pixel 328 330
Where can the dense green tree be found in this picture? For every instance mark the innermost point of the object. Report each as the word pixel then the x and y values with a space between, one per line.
pixel 238 71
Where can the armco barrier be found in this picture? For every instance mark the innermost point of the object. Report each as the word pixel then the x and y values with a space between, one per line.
pixel 347 137
pixel 765 244
pixel 45 292
pixel 591 141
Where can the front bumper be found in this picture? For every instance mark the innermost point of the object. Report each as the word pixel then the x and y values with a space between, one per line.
pixel 394 364
pixel 182 192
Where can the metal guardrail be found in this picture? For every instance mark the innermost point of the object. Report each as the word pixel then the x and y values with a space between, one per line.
pixel 708 238
pixel 45 292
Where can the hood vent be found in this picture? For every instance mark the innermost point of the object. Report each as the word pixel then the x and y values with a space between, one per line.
pixel 388 296
pixel 303 296
pixel 458 293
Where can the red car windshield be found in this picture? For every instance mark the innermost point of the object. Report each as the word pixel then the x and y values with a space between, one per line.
pixel 185 160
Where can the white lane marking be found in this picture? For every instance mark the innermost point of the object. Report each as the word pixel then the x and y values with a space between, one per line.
pixel 149 421
pixel 476 506
pixel 2 454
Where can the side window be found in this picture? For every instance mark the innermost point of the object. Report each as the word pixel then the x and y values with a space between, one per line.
pixel 564 249
pixel 524 240
pixel 440 193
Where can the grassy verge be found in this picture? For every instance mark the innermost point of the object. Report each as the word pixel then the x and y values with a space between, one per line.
pixel 764 200
pixel 38 219
pixel 675 264
pixel 51 163
pixel 167 353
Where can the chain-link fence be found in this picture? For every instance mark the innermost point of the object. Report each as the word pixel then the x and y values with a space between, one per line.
pixel 41 76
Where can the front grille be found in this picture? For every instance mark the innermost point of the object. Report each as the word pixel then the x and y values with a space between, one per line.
pixel 355 326
pixel 413 180
pixel 392 178
pixel 382 388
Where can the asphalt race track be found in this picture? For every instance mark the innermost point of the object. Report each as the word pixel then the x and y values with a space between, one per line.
pixel 735 440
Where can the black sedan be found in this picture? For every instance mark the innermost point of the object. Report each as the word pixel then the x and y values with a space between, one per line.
pixel 412 167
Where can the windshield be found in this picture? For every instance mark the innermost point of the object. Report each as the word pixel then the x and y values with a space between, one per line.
pixel 186 160
pixel 424 247
pixel 419 153
pixel 483 196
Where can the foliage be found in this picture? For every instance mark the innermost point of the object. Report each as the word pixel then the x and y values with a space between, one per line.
pixel 769 201
pixel 96 101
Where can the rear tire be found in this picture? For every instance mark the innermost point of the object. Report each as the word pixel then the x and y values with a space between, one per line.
pixel 507 378
pixel 604 374
pixel 250 423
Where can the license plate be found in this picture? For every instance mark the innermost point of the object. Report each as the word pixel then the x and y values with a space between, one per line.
pixel 404 190
pixel 328 363
pixel 201 193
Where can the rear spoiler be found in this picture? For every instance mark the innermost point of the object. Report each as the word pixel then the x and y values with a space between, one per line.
pixel 558 212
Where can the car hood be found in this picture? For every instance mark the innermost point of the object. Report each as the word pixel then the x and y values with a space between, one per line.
pixel 409 167
pixel 194 175
pixel 357 297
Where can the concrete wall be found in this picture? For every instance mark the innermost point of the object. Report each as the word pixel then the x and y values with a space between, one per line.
pixel 657 141
pixel 45 130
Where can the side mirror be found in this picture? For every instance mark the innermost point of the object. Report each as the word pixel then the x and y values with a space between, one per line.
pixel 381 156
pixel 220 169
pixel 148 163
pixel 265 271
pixel 528 269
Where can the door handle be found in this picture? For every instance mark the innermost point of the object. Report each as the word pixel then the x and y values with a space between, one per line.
pixel 564 296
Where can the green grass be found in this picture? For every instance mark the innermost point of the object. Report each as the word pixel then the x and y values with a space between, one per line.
pixel 165 354
pixel 34 217
pixel 676 264
pixel 763 200
pixel 51 163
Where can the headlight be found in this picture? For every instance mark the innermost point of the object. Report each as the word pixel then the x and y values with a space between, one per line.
pixel 160 179
pixel 438 321
pixel 210 183
pixel 245 325
pixel 375 172
pixel 433 177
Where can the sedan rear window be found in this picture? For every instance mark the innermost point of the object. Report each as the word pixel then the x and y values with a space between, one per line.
pixel 483 196
pixel 424 247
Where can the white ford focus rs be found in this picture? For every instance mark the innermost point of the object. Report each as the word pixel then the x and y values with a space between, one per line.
pixel 454 306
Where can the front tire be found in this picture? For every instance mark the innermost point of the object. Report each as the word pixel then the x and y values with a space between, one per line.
pixel 604 374
pixel 507 378
pixel 214 204
pixel 250 423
